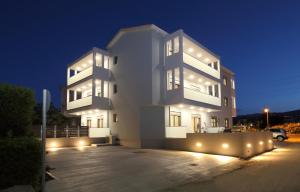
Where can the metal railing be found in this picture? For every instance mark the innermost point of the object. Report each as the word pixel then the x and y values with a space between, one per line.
pixel 60 132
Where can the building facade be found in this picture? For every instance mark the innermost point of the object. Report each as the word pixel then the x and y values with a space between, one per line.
pixel 149 85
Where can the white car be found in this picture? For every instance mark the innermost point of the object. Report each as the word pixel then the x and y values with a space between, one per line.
pixel 279 134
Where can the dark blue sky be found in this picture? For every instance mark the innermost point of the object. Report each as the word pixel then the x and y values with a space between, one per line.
pixel 258 40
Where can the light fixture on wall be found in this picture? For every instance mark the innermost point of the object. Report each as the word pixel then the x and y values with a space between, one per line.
pixel 207 83
pixel 97 82
pixel 191 50
pixel 192 107
pixel 78 89
pixel 199 55
pixel 78 68
pixel 53 144
pixel 200 80
pixel 81 143
pixel 206 59
pixel 249 145
pixel 90 61
pixel 97 110
pixel 78 114
pixel 83 65
pixel 191 76
pixel 225 146
pixel 208 110
pixel 90 112
pixel 90 85
pixel 198 144
pixel 270 141
pixel 181 106
pixel 201 109
pixel 261 142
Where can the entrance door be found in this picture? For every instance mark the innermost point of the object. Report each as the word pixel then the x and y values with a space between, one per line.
pixel 196 124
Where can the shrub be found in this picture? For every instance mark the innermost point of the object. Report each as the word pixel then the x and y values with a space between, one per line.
pixel 16 109
pixel 20 162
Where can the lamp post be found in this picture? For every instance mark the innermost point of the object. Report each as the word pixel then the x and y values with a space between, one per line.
pixel 266 110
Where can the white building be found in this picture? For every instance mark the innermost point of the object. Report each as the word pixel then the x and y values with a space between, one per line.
pixel 149 85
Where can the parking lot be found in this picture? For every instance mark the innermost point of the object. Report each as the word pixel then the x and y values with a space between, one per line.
pixel 116 168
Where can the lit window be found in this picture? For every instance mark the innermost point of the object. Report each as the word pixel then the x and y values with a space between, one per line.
pixel 169 48
pixel 232 84
pixel 216 65
pixel 177 78
pixel 233 102
pixel 176 44
pixel 226 123
pixel 169 80
pixel 106 62
pixel 225 101
pixel 98 60
pixel 214 121
pixel 225 81
pixel 175 119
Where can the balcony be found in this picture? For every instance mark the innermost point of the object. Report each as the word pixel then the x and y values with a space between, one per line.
pixel 79 103
pixel 199 96
pixel 79 76
pixel 192 61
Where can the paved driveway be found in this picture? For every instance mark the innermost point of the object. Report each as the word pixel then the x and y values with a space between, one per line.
pixel 116 168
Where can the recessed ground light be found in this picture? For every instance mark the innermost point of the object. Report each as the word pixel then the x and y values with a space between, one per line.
pixel 225 145
pixel 181 106
pixel 200 80
pixel 192 107
pixel 90 61
pixel 191 76
pixel 191 50
pixel 199 55
pixel 249 145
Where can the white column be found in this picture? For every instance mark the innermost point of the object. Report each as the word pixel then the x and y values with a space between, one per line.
pixel 75 95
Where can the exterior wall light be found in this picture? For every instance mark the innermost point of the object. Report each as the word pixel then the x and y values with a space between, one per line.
pixel 198 144
pixel 249 145
pixel 53 144
pixel 261 143
pixel 225 145
pixel 270 141
pixel 81 143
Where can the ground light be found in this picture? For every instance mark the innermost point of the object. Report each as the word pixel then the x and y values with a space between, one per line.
pixel 270 141
pixel 81 143
pixel 53 145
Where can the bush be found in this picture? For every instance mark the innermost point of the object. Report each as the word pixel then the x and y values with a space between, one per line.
pixel 20 162
pixel 16 110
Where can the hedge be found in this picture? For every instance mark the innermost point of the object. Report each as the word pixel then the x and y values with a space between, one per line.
pixel 20 162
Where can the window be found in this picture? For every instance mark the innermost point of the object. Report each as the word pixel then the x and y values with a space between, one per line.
pixel 89 123
pixel 169 48
pixel 226 122
pixel 232 84
pixel 71 95
pixel 106 62
pixel 216 66
pixel 233 102
pixel 210 90
pixel 175 119
pixel 115 60
pixel 115 88
pixel 225 81
pixel 98 60
pixel 72 73
pixel 177 78
pixel 214 121
pixel 169 80
pixel 100 122
pixel 217 90
pixel 225 101
pixel 176 44
pixel 115 118
pixel 78 95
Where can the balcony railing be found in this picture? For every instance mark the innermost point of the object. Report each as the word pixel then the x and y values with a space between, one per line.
pixel 190 60
pixel 196 95
pixel 83 74
pixel 79 103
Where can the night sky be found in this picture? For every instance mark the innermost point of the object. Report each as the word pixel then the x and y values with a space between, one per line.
pixel 258 40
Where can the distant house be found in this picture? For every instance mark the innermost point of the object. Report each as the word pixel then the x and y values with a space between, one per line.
pixel 149 85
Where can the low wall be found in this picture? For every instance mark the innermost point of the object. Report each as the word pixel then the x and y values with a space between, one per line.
pixel 243 145
pixel 99 132
pixel 73 142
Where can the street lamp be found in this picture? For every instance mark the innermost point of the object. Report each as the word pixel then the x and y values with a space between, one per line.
pixel 266 110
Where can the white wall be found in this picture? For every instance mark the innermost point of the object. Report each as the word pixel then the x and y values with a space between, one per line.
pixel 94 116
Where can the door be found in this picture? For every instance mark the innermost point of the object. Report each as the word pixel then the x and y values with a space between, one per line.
pixel 100 122
pixel 89 123
pixel 196 123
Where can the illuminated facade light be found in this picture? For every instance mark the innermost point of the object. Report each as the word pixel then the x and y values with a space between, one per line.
pixel 261 142
pixel 78 68
pixel 97 57
pixel 249 145
pixel 191 50
pixel 90 61
pixel 198 144
pixel 201 109
pixel 191 76
pixel 84 65
pixel 81 143
pixel 181 106
pixel 77 113
pixel 208 110
pixel 225 146
pixel 78 89
pixel 90 112
pixel 270 141
pixel 97 82
pixel 200 80
pixel 192 107
pixel 53 144
pixel 207 83
pixel 207 60
pixel 90 85
pixel 199 55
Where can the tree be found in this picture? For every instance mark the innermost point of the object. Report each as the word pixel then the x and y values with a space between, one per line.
pixel 16 109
